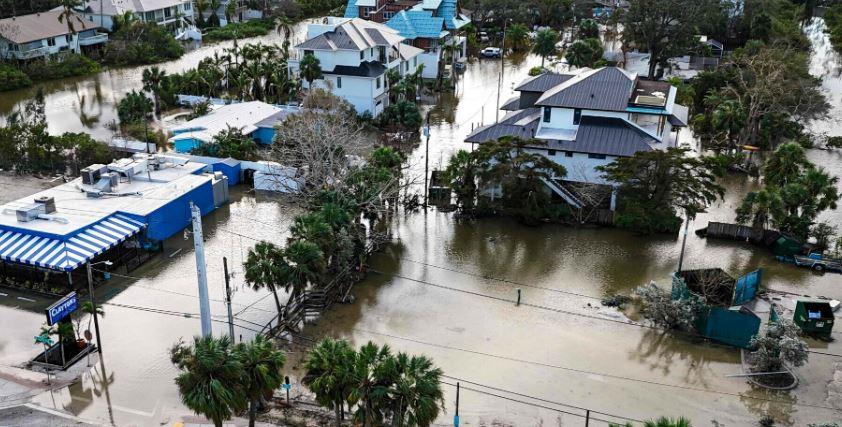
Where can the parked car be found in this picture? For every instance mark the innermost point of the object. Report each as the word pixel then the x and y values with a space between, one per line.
pixel 483 36
pixel 492 52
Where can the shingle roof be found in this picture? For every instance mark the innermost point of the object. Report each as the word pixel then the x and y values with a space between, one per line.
pixel 39 26
pixel 354 34
pixel 413 24
pixel 116 7
pixel 448 10
pixel 543 82
pixel 369 69
pixel 351 10
pixel 607 88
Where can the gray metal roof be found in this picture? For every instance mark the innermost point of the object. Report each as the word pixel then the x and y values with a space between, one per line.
pixel 369 69
pixel 680 115
pixel 607 89
pixel 354 34
pixel 522 124
pixel 513 104
pixel 543 82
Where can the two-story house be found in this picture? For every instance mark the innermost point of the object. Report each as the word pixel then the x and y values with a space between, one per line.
pixel 354 55
pixel 173 14
pixel 426 24
pixel 590 119
pixel 42 34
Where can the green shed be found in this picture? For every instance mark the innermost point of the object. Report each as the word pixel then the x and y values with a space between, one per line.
pixel 814 317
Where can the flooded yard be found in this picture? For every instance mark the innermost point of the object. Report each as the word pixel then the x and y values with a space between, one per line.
pixel 447 288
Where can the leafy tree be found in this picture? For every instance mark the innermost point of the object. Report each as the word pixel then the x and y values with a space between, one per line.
pixel 328 374
pixel 659 307
pixel 13 78
pixel 211 377
pixel 461 176
pixel 786 165
pixel 136 42
pixel 588 29
pixel 135 107
pixel 545 42
pixel 370 387
pixel 729 118
pixel 415 392
pixel 781 345
pixel 403 115
pixel 230 11
pixel 517 37
pixel 664 28
pixel 229 143
pixel 262 368
pixel 263 268
pixel 823 233
pixel 310 69
pixel 154 80
pixel 584 53
pixel 760 207
pixel 655 186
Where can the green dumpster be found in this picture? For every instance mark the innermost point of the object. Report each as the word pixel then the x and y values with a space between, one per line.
pixel 814 317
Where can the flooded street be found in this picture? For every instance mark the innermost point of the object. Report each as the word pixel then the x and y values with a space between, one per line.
pixel 447 289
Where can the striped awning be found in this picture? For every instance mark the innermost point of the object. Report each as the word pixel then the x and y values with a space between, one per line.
pixel 67 255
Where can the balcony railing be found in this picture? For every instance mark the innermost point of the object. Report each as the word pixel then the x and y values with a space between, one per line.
pixel 28 54
pixel 97 39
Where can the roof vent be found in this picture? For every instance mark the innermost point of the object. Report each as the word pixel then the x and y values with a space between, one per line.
pixel 48 202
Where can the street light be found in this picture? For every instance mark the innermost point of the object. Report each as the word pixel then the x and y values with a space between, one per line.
pixel 93 303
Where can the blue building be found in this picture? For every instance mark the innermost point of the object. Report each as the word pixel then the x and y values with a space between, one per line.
pixel 255 119
pixel 114 212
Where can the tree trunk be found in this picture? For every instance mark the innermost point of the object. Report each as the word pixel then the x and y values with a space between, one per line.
pixel 337 407
pixel 542 60
pixel 652 65
pixel 277 301
pixel 252 412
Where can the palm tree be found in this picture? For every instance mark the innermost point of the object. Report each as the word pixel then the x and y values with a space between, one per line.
pixel 416 392
pixel 760 208
pixel 285 26
pixel 210 382
pixel 580 54
pixel 213 19
pixel 153 80
pixel 785 165
pixel 303 264
pixel 328 374
pixel 312 227
pixel 68 13
pixel 263 268
pixel 230 10
pixel 201 6
pixel 262 365
pixel 588 29
pixel 88 308
pixel 370 383
pixel 310 69
pixel 729 117
pixel 517 36
pixel 545 44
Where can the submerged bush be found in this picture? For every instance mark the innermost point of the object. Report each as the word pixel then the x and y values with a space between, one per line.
pixel 13 78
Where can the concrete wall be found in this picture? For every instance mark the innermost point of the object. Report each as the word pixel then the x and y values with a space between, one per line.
pixel 580 167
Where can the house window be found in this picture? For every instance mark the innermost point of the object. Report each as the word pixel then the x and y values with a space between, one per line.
pixel 596 156
pixel 187 6
pixel 367 11
pixel 68 38
pixel 338 82
pixel 551 152
pixel 378 83
pixel 577 116
pixel 415 62
pixel 51 41
pixel 568 154
pixel 406 66
pixel 308 52
pixel 362 55
pixel 167 13
pixel 547 114
pixel 388 15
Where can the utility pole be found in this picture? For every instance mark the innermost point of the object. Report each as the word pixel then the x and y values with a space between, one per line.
pixel 228 298
pixel 456 415
pixel 93 305
pixel 427 160
pixel 201 270
pixel 683 241
pixel 500 77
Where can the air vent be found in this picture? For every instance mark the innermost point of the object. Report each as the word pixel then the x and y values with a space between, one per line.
pixel 655 101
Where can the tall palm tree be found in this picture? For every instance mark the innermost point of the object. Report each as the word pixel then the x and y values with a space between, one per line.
pixel 370 374
pixel 729 117
pixel 230 10
pixel 785 165
pixel 68 14
pixel 262 365
pixel 310 69
pixel 303 264
pixel 285 26
pixel 263 268
pixel 312 227
pixel 517 36
pixel 545 42
pixel 328 374
pixel 210 378
pixel 416 392
pixel 201 6
pixel 213 19
pixel 153 79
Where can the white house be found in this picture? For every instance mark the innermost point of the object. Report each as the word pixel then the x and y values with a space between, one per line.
pixel 41 34
pixel 173 14
pixel 354 55
pixel 589 119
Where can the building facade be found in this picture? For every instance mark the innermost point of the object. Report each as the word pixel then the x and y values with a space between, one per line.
pixel 430 25
pixel 173 14
pixel 590 119
pixel 41 34
pixel 355 55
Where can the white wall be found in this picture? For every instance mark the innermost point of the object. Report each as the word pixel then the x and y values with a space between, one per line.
pixel 359 91
pixel 580 168
pixel 431 64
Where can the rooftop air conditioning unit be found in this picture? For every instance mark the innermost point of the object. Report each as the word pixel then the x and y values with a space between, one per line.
pixel 30 212
pixel 656 101
pixel 48 202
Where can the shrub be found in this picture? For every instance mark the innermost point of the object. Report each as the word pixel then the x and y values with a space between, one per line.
pixel 402 115
pixel 237 30
pixel 60 66
pixel 142 43
pixel 660 308
pixel 13 78
pixel 780 345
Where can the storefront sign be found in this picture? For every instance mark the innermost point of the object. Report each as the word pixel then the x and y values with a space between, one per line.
pixel 61 308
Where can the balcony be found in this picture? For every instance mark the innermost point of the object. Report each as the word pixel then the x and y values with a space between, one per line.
pixel 28 54
pixel 92 40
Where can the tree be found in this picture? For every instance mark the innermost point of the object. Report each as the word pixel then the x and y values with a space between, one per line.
pixel 262 368
pixel 263 268
pixel 402 115
pixel 135 107
pixel 68 14
pixel 211 377
pixel 659 307
pixel 310 69
pixel 786 165
pixel 517 37
pixel 729 118
pixel 781 345
pixel 461 177
pixel 230 11
pixel 584 53
pixel 415 393
pixel 213 18
pixel 304 262
pixel 823 233
pixel 228 143
pixel 153 82
pixel 760 207
pixel 655 186
pixel 370 386
pixel 328 374
pixel 664 28
pixel 545 42
pixel 588 29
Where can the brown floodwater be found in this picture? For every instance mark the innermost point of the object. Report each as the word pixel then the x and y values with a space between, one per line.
pixel 446 288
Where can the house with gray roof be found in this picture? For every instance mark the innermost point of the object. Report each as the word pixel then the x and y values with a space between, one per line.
pixel 41 34
pixel 354 55
pixel 173 14
pixel 589 119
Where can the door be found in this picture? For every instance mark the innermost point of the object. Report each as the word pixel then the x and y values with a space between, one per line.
pixel 746 287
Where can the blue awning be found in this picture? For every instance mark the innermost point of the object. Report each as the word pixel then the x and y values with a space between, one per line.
pixel 67 255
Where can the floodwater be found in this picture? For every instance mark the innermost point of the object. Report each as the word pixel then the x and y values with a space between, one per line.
pixel 447 289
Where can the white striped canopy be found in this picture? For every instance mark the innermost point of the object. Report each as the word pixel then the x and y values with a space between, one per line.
pixel 67 255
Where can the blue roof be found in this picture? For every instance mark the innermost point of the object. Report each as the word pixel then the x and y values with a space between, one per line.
pixel 66 255
pixel 351 10
pixel 412 24
pixel 448 10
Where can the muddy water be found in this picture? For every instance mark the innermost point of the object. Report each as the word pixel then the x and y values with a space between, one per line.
pixel 447 289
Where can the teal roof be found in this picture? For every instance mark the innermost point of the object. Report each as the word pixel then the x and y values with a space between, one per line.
pixel 413 24
pixel 448 11
pixel 351 10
